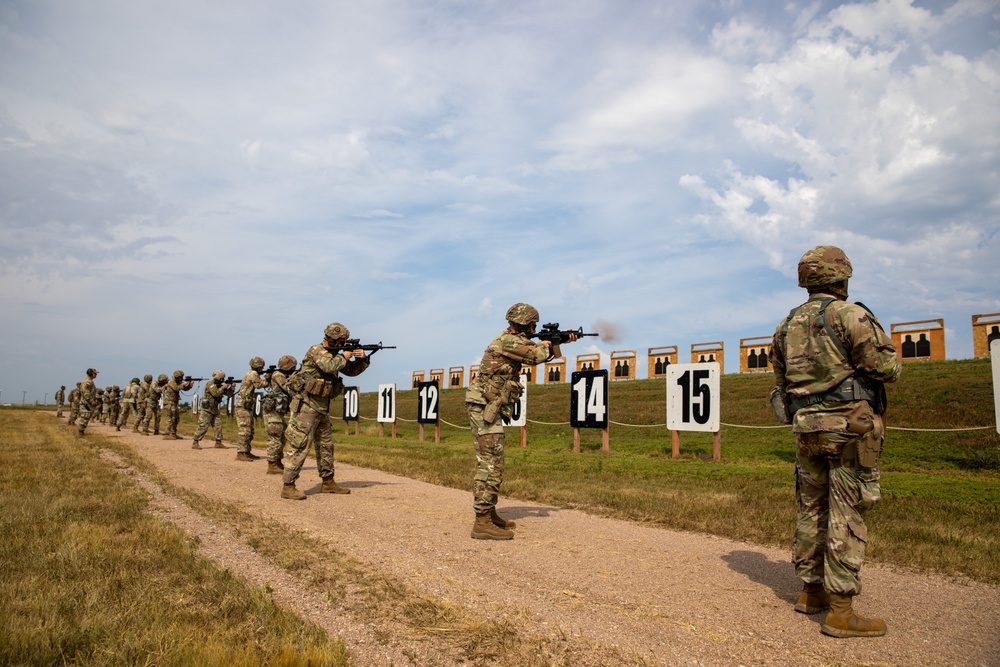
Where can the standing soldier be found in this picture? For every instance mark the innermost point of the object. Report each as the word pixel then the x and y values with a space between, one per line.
pixel 245 405
pixel 209 414
pixel 153 404
pixel 60 399
pixel 317 382
pixel 74 404
pixel 126 406
pixel 141 394
pixel 171 403
pixel 106 398
pixel 275 407
pixel 89 401
pixel 115 404
pixel 490 397
pixel 831 358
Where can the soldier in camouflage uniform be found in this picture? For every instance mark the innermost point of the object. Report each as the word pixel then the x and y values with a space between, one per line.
pixel 60 399
pixel 74 405
pixel 275 407
pixel 246 403
pixel 126 405
pixel 141 394
pixel 153 395
pixel 831 358
pixel 315 384
pixel 89 401
pixel 209 414
pixel 106 398
pixel 171 403
pixel 491 396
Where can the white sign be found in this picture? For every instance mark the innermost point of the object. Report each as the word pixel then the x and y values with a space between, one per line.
pixel 387 403
pixel 693 397
pixel 519 411
pixel 588 399
pixel 995 357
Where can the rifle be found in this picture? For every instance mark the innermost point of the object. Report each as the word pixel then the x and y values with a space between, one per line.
pixel 352 344
pixel 551 333
pixel 228 380
pixel 188 378
pixel 270 369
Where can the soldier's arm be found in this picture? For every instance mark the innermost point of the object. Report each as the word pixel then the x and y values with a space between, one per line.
pixel 873 352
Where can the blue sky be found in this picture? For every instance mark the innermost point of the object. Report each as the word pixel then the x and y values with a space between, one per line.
pixel 186 185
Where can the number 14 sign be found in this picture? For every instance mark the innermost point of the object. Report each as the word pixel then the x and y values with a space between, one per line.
pixel 693 397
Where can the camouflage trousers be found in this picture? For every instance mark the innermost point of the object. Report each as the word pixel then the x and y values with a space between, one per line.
pixel 86 412
pixel 305 428
pixel 140 414
pixel 833 494
pixel 172 411
pixel 124 413
pixel 105 413
pixel 488 441
pixel 208 419
pixel 59 410
pixel 244 429
pixel 74 413
pixel 274 425
pixel 152 416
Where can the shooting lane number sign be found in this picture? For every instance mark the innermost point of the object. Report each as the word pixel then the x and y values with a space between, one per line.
pixel 352 407
pixel 429 407
pixel 588 404
pixel 386 408
pixel 693 402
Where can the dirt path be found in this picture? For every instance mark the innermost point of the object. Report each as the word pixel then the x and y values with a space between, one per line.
pixel 672 598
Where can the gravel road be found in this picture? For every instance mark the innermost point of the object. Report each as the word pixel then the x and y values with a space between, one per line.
pixel 664 597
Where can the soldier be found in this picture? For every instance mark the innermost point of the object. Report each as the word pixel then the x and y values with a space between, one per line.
pixel 106 398
pixel 74 405
pixel 153 404
pixel 89 401
pixel 246 403
pixel 315 383
pixel 171 403
pixel 116 404
pixel 275 407
pixel 126 405
pixel 831 358
pixel 60 399
pixel 141 394
pixel 489 398
pixel 209 414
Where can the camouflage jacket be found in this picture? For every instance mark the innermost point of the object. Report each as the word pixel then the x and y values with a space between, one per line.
pixel 153 395
pixel 252 381
pixel 172 392
pixel 807 361
pixel 74 396
pixel 60 396
pixel 499 377
pixel 141 393
pixel 88 394
pixel 279 397
pixel 128 394
pixel 214 393
pixel 320 371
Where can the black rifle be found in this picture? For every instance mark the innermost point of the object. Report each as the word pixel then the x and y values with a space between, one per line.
pixel 270 369
pixel 188 378
pixel 228 380
pixel 352 344
pixel 551 333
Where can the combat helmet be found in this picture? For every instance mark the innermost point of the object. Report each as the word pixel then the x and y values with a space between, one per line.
pixel 163 379
pixel 522 313
pixel 824 265
pixel 286 363
pixel 336 331
pixel 148 377
pixel 256 363
pixel 218 376
pixel 134 381
pixel 178 375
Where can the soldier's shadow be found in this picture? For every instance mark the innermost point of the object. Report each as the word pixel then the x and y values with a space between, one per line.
pixel 524 511
pixel 779 576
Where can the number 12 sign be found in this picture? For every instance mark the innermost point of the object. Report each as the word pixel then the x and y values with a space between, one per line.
pixel 693 397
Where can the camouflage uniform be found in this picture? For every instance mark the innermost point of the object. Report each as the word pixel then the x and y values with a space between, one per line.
pixel 141 394
pixel 89 402
pixel 126 405
pixel 245 405
pixel 209 414
pixel 171 403
pixel 275 407
pixel 491 396
pixel 106 401
pixel 74 404
pixel 319 376
pixel 838 440
pixel 153 395
pixel 60 399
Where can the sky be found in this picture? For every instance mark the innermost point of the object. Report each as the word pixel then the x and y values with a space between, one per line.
pixel 185 185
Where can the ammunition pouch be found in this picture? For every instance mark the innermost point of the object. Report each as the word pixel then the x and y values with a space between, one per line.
pixel 269 404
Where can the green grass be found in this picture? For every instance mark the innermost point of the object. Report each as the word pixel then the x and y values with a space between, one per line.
pixel 91 577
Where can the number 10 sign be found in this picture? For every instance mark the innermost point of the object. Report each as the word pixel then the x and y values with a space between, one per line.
pixel 693 397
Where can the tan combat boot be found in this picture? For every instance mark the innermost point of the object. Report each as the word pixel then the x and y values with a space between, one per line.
pixel 144 432
pixel 135 429
pixel 274 468
pixel 195 445
pixel 813 599
pixel 219 445
pixel 843 622
pixel 170 436
pixel 291 493
pixel 246 456
pixel 483 529
pixel 330 486
pixel 499 521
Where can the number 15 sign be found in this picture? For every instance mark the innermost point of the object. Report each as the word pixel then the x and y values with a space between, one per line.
pixel 693 397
